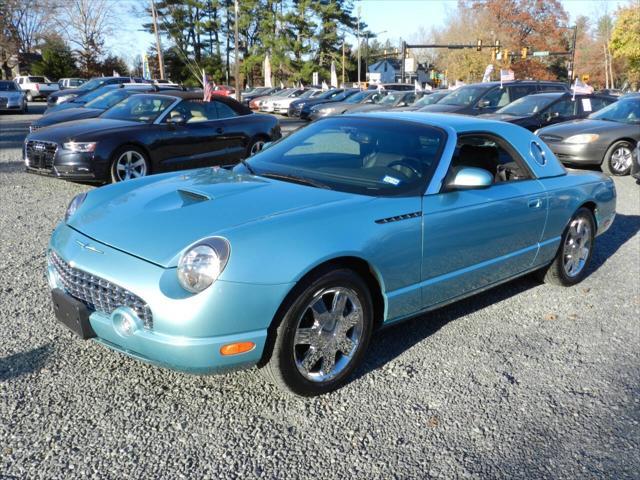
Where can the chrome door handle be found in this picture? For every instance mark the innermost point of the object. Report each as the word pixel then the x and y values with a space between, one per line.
pixel 535 203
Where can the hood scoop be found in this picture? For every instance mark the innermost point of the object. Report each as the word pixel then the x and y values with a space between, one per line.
pixel 189 197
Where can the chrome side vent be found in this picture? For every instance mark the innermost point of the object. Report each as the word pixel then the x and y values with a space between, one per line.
pixel 189 197
pixel 397 218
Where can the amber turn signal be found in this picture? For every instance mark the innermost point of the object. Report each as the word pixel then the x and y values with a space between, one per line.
pixel 237 348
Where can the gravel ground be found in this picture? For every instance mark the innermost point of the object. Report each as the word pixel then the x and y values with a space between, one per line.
pixel 524 381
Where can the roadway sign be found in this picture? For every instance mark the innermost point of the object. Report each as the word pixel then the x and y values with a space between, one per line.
pixel 540 54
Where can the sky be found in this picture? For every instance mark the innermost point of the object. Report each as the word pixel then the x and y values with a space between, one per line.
pixel 398 19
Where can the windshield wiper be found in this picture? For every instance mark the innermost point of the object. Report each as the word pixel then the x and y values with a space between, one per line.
pixel 246 165
pixel 296 179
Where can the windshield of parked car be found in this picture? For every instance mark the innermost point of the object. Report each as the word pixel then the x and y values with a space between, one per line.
pixel 109 99
pixel 76 82
pixel 308 93
pixel 358 97
pixel 391 99
pixel 93 83
pixel 463 96
pixel 88 96
pixel 623 111
pixel 139 108
pixel 367 156
pixel 529 105
pixel 8 87
pixel 430 99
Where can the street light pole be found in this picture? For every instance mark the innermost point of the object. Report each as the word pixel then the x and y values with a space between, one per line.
pixel 359 76
pixel 237 62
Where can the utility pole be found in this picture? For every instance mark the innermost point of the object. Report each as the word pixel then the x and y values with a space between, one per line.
pixel 343 42
pixel 359 45
pixel 237 62
pixel 158 45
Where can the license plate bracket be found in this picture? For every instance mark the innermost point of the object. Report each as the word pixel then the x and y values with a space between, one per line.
pixel 72 313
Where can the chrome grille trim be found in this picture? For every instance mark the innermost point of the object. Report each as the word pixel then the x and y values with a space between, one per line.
pixel 97 293
pixel 40 154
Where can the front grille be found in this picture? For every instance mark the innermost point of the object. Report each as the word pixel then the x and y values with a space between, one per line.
pixel 40 154
pixel 97 293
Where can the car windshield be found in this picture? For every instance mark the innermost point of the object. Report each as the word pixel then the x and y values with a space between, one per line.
pixel 308 93
pixel 76 82
pixel 93 83
pixel 109 99
pixel 330 94
pixel 88 96
pixel 430 99
pixel 8 87
pixel 623 111
pixel 139 108
pixel 391 99
pixel 529 105
pixel 375 157
pixel 463 96
pixel 358 97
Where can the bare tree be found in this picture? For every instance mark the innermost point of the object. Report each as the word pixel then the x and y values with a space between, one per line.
pixel 85 23
pixel 26 22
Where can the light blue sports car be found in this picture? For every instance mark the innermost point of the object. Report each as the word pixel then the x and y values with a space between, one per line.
pixel 291 260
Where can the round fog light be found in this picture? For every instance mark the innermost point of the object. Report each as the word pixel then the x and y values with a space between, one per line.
pixel 125 321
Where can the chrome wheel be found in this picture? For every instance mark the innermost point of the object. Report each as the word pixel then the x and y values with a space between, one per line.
pixel 130 164
pixel 256 147
pixel 621 159
pixel 328 333
pixel 577 246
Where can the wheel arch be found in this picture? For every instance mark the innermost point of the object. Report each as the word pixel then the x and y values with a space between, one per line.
pixel 623 139
pixel 360 266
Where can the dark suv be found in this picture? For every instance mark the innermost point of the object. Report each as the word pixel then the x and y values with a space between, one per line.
pixel 488 97
pixel 62 96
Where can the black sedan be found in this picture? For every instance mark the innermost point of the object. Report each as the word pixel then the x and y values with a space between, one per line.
pixel 150 133
pixel 541 109
pixel 606 138
pixel 112 95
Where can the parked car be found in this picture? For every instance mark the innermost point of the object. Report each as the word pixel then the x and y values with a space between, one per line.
pixel 35 87
pixel 268 104
pixel 428 98
pixel 488 97
pixel 67 83
pixel 399 87
pixel 392 100
pixel 11 97
pixel 541 109
pixel 606 138
pixel 150 133
pixel 224 90
pixel 364 97
pixel 301 108
pixel 89 96
pixel 109 96
pixel 96 82
pixel 243 270
pixel 258 92
pixel 282 106
pixel 254 104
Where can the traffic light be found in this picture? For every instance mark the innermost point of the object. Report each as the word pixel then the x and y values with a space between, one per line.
pixel 497 46
pixel 524 52
pixel 479 45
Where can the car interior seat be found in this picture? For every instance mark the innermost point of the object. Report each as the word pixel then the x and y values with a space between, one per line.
pixel 485 157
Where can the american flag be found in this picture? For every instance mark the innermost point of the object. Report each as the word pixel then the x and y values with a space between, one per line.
pixel 208 88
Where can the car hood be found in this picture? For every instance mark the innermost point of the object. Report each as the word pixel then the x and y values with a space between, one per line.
pixel 370 107
pixel 79 128
pixel 68 91
pixel 157 217
pixel 67 115
pixel 503 117
pixel 10 94
pixel 574 127
pixel 442 108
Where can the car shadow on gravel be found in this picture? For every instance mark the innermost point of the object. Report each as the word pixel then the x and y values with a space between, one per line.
pixel 624 228
pixel 394 340
pixel 24 363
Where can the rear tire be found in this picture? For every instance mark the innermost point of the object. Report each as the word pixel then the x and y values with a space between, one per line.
pixel 618 159
pixel 572 261
pixel 323 334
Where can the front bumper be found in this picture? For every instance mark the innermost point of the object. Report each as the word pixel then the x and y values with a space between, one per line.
pixel 67 165
pixel 574 154
pixel 187 331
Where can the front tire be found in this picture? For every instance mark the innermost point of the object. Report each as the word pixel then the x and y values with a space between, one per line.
pixel 323 334
pixel 129 163
pixel 618 159
pixel 255 146
pixel 572 261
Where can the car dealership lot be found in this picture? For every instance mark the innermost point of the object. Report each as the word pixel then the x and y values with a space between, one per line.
pixel 525 380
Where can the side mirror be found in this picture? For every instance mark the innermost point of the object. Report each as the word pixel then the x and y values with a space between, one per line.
pixel 469 178
pixel 176 120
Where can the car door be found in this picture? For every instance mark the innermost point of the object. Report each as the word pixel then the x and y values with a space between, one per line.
pixel 561 110
pixel 233 137
pixel 473 239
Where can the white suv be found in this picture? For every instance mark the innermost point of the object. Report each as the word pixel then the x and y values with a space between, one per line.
pixel 36 86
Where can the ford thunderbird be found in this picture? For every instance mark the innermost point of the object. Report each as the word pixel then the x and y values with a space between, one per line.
pixel 292 259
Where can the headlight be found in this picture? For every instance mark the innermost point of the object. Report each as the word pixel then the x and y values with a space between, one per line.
pixel 203 263
pixel 582 138
pixel 74 205
pixel 79 147
pixel 64 98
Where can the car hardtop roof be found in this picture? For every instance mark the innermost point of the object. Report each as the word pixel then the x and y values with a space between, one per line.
pixel 493 83
pixel 197 95
pixel 460 123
